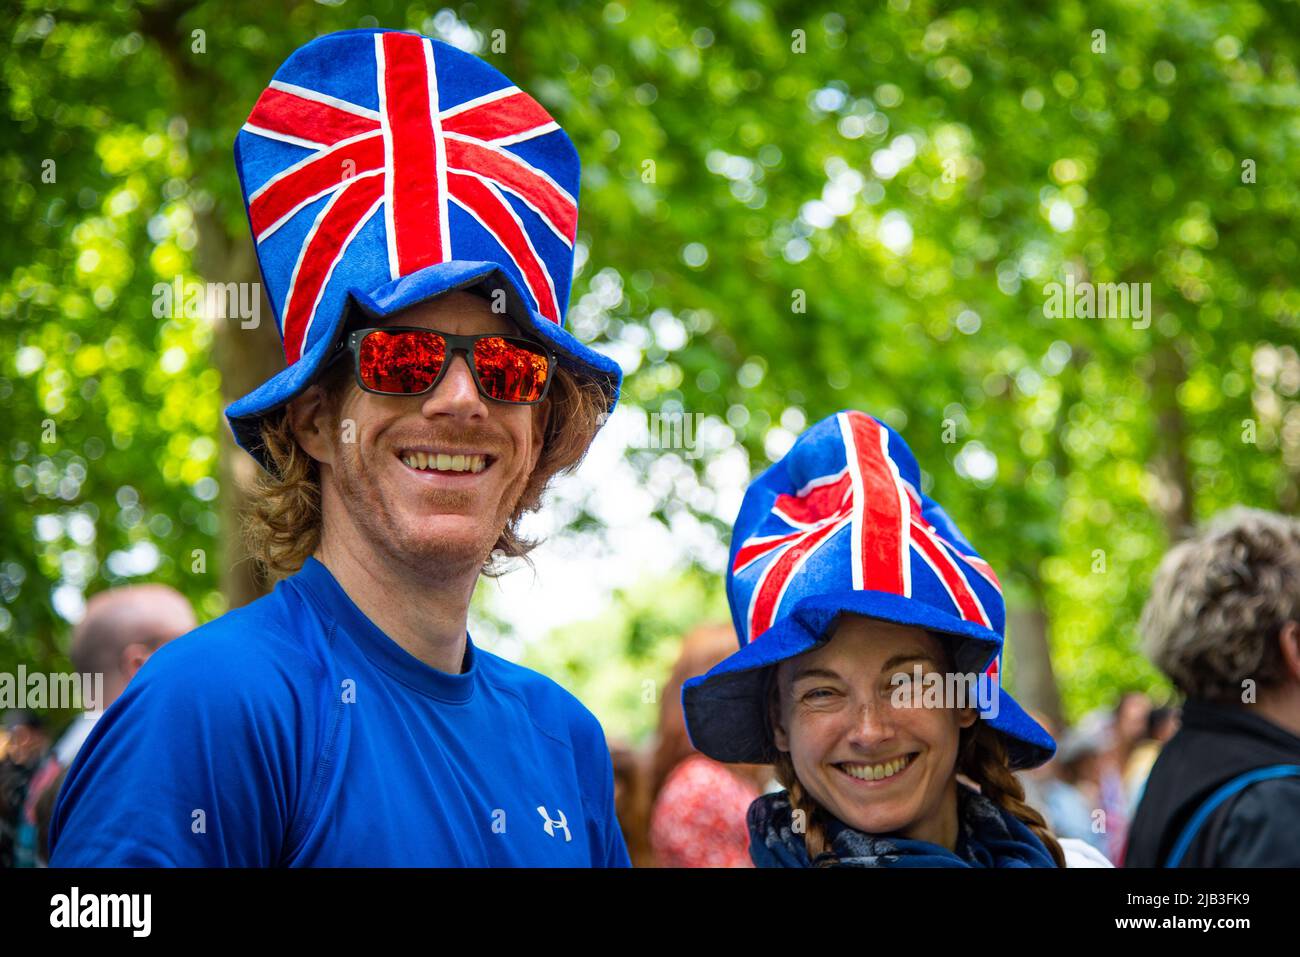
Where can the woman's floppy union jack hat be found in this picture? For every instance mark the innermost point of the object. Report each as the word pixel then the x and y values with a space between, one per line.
pixel 840 525
pixel 386 168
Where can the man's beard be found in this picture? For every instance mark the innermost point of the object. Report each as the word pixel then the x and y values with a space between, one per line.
pixel 390 530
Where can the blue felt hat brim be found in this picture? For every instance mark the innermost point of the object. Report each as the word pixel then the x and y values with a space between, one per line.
pixel 245 414
pixel 1027 742
pixel 726 708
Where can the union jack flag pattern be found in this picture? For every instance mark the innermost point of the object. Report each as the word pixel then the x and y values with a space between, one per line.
pixel 840 526
pixel 375 154
pixel 844 511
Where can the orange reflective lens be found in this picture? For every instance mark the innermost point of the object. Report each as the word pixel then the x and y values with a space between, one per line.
pixel 411 361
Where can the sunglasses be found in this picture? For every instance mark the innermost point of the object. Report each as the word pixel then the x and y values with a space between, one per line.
pixel 411 360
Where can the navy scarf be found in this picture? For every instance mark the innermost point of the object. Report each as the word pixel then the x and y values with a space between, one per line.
pixel 987 836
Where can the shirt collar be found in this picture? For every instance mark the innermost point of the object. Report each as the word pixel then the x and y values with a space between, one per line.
pixel 382 651
pixel 1213 716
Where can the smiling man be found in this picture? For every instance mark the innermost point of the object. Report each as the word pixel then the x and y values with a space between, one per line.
pixel 414 215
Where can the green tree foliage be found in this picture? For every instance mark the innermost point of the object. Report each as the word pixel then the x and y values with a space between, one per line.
pixel 787 209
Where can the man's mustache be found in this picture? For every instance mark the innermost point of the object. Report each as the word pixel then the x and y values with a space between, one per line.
pixel 473 440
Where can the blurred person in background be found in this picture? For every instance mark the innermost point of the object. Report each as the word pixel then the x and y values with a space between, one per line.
pixel 699 804
pixel 26 741
pixel 1090 766
pixel 1111 796
pixel 1071 793
pixel 1132 716
pixel 632 801
pixel 122 627
pixel 1162 724
pixel 1223 622
pixel 1037 782
pixel 43 811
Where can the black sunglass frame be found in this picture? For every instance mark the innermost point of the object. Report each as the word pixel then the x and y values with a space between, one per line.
pixel 454 344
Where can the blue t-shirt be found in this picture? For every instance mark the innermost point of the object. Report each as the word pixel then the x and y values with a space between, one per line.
pixel 293 731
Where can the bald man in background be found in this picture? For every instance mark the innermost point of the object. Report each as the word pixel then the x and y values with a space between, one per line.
pixel 122 627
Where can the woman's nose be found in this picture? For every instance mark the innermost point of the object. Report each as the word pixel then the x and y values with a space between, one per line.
pixel 873 722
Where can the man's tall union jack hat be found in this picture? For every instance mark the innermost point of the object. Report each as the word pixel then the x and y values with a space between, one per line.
pixel 388 168
pixel 840 525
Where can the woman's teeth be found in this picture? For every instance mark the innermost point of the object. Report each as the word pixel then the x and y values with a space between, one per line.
pixel 877 772
pixel 443 462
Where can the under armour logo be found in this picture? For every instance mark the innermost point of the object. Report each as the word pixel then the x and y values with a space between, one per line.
pixel 550 825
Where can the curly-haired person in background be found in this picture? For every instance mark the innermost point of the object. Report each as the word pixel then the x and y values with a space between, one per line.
pixel 1223 622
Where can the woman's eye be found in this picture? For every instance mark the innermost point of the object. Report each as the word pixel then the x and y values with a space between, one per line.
pixel 818 693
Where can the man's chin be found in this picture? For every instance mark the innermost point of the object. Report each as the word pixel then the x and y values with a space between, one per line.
pixel 447 540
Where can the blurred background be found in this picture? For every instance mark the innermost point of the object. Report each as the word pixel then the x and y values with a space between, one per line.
pixel 786 209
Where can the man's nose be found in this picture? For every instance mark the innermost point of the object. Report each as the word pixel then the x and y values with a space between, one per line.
pixel 456 393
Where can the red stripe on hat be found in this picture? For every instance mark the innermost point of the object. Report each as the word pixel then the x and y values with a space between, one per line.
pixel 974 562
pixel 967 603
pixel 410 101
pixel 311 179
pixel 334 228
pixel 881 510
pixel 983 567
pixel 752 550
pixel 495 215
pixel 511 115
pixel 520 178
pixel 815 504
pixel 292 115
pixel 772 583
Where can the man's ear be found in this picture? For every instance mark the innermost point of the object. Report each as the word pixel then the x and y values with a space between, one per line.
pixel 1289 642
pixel 133 658
pixel 311 426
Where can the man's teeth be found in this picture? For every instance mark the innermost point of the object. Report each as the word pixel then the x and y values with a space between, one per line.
pixel 444 462
pixel 877 772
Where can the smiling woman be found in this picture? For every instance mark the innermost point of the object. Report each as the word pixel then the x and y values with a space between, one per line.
pixel 850 757
pixel 282 525
pixel 849 586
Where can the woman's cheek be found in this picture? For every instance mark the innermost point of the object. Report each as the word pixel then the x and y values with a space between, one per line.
pixel 935 727
pixel 823 730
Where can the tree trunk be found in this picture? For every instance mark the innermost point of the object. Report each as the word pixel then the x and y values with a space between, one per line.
pixel 246 358
pixel 1175 497
pixel 1036 687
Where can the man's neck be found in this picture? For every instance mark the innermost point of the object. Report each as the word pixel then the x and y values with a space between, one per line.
pixel 424 613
